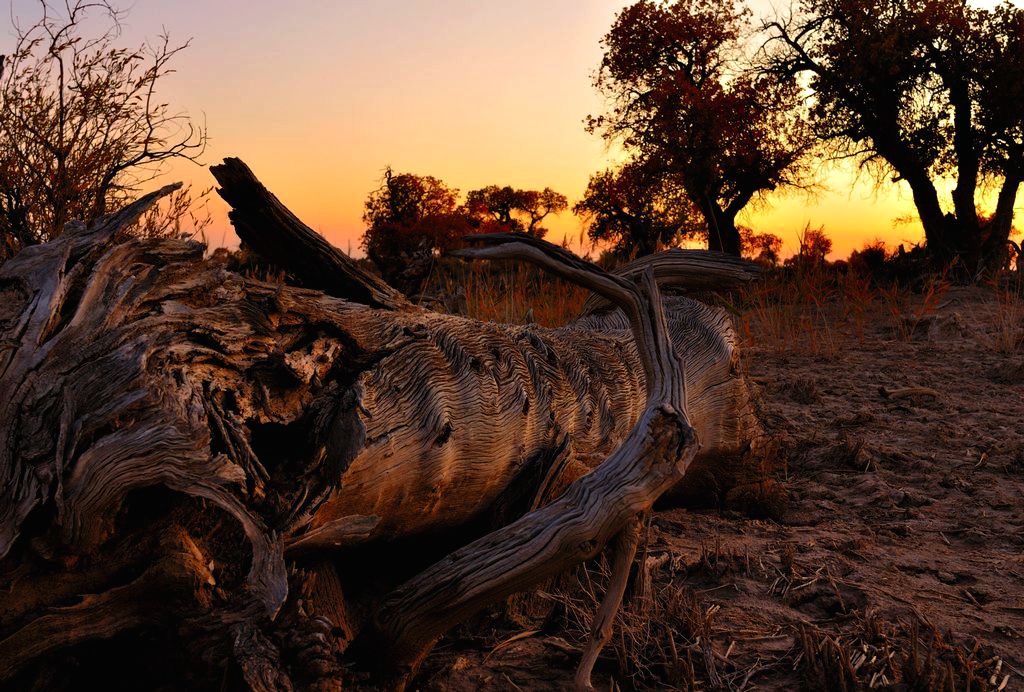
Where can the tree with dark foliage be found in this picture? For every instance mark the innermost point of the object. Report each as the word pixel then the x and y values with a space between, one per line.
pixel 763 248
pixel 506 209
pixel 409 220
pixel 682 92
pixel 637 210
pixel 920 90
pixel 815 246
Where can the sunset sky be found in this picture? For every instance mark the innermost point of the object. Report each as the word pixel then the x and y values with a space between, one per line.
pixel 320 96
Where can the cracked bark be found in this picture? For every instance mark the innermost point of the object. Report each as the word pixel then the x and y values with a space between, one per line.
pixel 170 426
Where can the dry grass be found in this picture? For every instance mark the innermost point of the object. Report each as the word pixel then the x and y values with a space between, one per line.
pixel 511 293
pixel 813 309
pixel 818 311
pixel 908 313
pixel 794 311
pixel 1008 324
pixel 880 655
pixel 663 634
pixel 666 633
pixel 858 301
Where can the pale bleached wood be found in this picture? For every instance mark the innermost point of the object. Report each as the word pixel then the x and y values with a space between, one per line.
pixel 594 509
pixel 686 271
pixel 311 422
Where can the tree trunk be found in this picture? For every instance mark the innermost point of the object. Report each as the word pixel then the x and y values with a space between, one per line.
pixel 958 238
pixel 723 236
pixel 996 248
pixel 191 456
pixel 968 164
pixel 936 224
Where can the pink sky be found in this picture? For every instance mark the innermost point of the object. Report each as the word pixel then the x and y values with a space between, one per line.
pixel 319 97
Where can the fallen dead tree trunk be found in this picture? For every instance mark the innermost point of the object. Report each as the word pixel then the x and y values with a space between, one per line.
pixel 594 509
pixel 170 425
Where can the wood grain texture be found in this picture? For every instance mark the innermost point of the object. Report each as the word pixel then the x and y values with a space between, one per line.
pixel 263 223
pixel 593 509
pixel 685 271
pixel 279 425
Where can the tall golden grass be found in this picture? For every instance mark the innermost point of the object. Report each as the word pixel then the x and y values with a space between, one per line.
pixel 1008 333
pixel 507 292
pixel 810 308
pixel 819 310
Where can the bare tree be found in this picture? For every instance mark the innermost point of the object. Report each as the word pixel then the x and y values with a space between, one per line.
pixel 82 125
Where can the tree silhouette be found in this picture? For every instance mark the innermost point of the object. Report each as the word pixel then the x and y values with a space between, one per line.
pixel 815 246
pixel 920 90
pixel 637 210
pixel 495 204
pixel 505 209
pixel 410 219
pixel 761 247
pixel 82 127
pixel 682 92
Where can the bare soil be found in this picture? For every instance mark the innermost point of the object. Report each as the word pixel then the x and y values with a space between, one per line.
pixel 898 562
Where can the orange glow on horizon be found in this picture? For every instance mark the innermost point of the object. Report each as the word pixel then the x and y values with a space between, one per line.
pixel 319 97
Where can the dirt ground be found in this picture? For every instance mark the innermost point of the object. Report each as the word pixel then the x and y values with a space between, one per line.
pixel 898 563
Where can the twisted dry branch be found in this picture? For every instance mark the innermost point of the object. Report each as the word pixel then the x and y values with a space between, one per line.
pixel 592 511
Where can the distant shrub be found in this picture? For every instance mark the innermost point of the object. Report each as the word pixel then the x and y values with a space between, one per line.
pixel 882 266
pixel 763 248
pixel 870 260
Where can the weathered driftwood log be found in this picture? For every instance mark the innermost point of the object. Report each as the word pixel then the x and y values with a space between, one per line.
pixel 594 509
pixel 172 427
